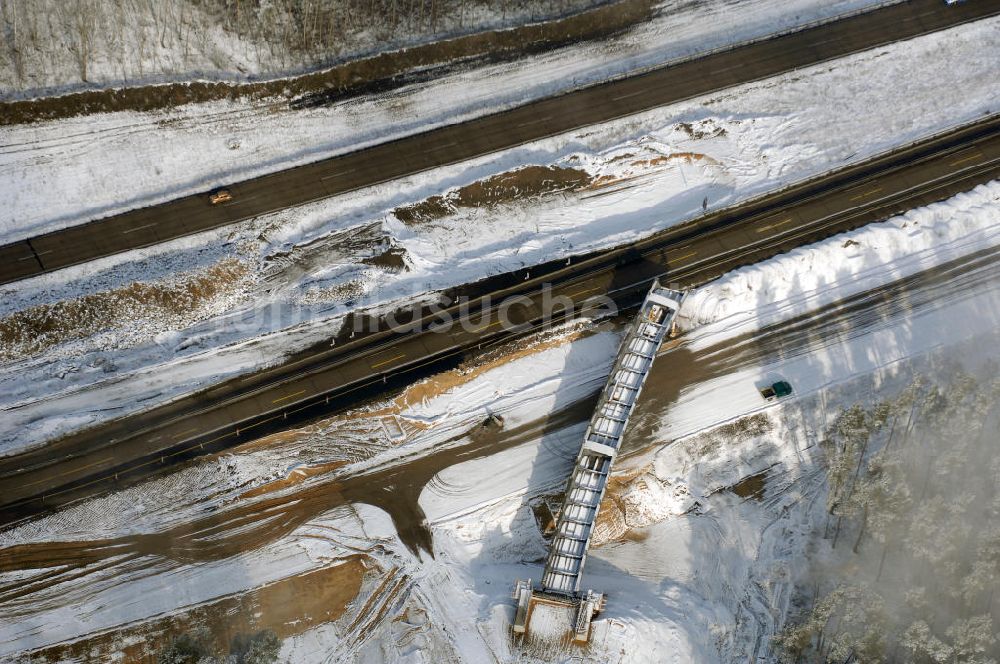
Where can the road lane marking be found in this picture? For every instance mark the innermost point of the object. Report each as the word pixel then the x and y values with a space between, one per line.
pixel 442 147
pixel 225 435
pixel 183 433
pixel 680 258
pixel 589 290
pixel 866 194
pixel 72 470
pixel 338 173
pixel 498 321
pixel 138 228
pixel 531 122
pixel 764 229
pixel 288 396
pixel 89 465
pixel 385 362
pixel 261 422
pixel 631 94
pixel 978 155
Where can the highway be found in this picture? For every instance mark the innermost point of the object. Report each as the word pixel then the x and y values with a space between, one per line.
pixel 330 379
pixel 458 142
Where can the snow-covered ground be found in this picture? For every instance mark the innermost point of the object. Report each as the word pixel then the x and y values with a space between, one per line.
pixel 694 570
pixel 713 510
pixel 180 40
pixel 303 269
pixel 56 174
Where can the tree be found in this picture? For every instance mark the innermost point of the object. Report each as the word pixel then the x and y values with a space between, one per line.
pixel 848 623
pixel 189 648
pixel 971 638
pixel 985 568
pixel 198 647
pixel 919 641
pixel 891 493
pixel 85 22
pixel 260 648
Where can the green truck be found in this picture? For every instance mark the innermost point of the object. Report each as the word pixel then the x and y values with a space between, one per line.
pixel 775 391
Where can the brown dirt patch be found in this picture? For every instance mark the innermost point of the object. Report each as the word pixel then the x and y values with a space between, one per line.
pixel 611 524
pixel 689 157
pixel 344 292
pixel 393 259
pixel 36 329
pixel 703 129
pixel 288 607
pixel 508 187
pixel 545 514
pixel 709 443
pixel 745 428
pixel 751 487
pixel 604 181
pixel 621 157
pixel 297 476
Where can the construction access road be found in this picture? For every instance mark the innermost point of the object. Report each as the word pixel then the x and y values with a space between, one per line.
pixel 458 142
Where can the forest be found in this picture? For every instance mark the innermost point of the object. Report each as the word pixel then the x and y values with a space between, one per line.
pixel 908 557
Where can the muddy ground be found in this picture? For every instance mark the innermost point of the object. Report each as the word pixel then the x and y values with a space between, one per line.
pixel 286 607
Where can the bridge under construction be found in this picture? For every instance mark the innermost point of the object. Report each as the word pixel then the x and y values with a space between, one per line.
pixel 559 593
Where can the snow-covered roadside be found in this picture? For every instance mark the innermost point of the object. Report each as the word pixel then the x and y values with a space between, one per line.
pixel 822 274
pixel 660 165
pixel 62 173
pixel 704 574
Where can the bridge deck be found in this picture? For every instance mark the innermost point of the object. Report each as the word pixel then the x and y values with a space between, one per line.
pixel 588 481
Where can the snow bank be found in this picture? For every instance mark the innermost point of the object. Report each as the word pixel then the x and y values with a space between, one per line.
pixel 817 275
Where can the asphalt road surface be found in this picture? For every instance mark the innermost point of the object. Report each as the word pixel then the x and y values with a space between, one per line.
pixel 458 142
pixel 315 385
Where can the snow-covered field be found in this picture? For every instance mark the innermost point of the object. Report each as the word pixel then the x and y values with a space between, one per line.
pixel 56 174
pixel 699 560
pixel 299 271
